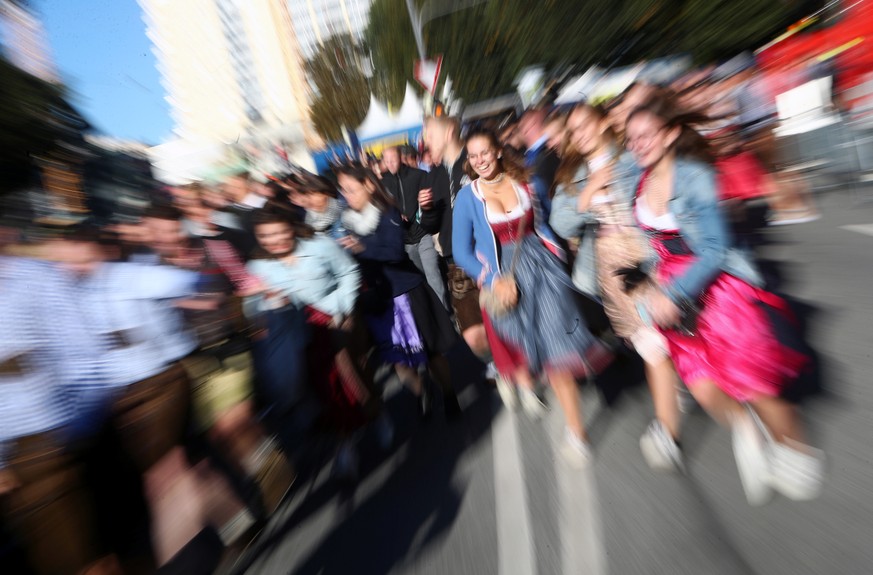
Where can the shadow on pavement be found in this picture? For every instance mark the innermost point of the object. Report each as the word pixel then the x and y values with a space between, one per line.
pixel 419 500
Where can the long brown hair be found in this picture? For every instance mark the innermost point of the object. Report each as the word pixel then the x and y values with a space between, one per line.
pixel 572 159
pixel 381 197
pixel 689 143
pixel 507 162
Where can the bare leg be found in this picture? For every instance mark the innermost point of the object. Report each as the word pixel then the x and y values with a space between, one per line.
pixel 780 417
pixel 237 431
pixel 719 405
pixel 524 379
pixel 477 340
pixel 175 502
pixel 564 386
pixel 662 384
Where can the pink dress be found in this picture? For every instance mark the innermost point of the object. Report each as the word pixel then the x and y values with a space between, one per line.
pixel 734 342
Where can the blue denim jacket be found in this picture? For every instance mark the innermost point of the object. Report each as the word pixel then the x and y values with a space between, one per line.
pixel 569 223
pixel 703 227
pixel 323 276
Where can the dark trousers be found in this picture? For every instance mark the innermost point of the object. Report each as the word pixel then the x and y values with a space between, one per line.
pixel 50 511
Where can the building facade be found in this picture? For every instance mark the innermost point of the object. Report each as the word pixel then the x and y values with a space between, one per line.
pixel 231 69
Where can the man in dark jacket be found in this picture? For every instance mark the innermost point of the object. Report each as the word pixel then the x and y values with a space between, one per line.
pixel 405 184
pixel 539 158
pixel 443 138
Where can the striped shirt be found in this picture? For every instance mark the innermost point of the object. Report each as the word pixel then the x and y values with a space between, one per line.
pixel 131 329
pixel 31 399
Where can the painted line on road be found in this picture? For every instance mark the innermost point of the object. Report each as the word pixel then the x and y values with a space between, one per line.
pixel 583 548
pixel 866 229
pixel 514 537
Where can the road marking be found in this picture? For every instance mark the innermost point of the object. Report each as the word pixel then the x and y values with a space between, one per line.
pixel 580 525
pixel 514 537
pixel 866 229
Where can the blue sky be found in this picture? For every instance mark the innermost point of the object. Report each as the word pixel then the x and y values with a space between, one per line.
pixel 105 59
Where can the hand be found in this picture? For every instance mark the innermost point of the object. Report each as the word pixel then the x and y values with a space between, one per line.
pixel 665 313
pixel 352 244
pixel 8 481
pixel 425 199
pixel 200 304
pixel 250 288
pixel 597 182
pixel 505 290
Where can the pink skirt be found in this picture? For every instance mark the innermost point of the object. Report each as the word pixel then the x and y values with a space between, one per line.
pixel 735 343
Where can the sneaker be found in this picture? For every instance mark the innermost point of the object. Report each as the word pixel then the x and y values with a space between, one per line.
pixel 750 452
pixel 660 450
pixel 451 407
pixel 531 403
pixel 576 451
pixel 790 217
pixel 507 393
pixel 491 371
pixel 797 471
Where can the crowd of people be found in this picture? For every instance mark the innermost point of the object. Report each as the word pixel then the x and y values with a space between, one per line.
pixel 204 355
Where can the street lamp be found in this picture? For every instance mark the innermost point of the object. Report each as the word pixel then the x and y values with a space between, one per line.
pixel 431 11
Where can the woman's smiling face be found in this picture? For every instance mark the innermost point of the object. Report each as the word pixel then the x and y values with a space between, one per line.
pixel 648 139
pixel 483 157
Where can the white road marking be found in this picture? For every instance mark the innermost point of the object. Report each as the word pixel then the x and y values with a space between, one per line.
pixel 866 229
pixel 580 526
pixel 514 537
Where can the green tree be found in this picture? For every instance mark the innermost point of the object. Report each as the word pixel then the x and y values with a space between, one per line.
pixel 341 90
pixel 485 47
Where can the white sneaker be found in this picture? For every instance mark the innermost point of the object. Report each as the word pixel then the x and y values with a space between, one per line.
pixel 790 217
pixel 660 450
pixel 797 471
pixel 576 452
pixel 491 371
pixel 507 393
pixel 750 452
pixel 531 403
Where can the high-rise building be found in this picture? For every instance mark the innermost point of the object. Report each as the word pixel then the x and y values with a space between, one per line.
pixel 24 42
pixel 317 20
pixel 232 70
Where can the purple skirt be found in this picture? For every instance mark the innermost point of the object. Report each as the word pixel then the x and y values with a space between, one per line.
pixel 396 334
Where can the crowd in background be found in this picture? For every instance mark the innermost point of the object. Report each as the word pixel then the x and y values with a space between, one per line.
pixel 192 363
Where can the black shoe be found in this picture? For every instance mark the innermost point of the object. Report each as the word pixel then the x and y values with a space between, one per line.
pixel 452 408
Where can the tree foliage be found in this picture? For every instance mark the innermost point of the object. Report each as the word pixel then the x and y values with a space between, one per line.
pixel 341 90
pixel 485 47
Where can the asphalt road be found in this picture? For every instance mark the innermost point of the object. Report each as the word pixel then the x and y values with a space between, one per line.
pixel 491 494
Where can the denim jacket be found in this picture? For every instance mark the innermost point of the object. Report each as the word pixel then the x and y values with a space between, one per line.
pixel 475 246
pixel 702 225
pixel 323 276
pixel 569 223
